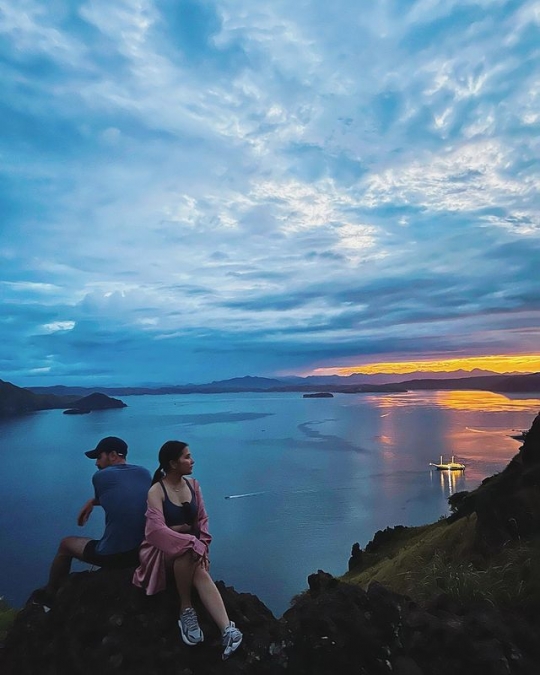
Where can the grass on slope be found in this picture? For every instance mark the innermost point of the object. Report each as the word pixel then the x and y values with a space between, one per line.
pixel 424 561
pixel 7 616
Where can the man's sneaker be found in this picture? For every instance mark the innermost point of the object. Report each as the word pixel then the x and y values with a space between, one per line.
pixel 189 627
pixel 231 640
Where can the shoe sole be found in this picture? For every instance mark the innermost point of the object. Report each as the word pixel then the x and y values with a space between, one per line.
pixel 231 649
pixel 187 641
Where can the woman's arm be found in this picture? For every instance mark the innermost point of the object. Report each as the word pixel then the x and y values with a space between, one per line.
pixel 181 528
pixel 162 537
pixel 155 497
pixel 202 516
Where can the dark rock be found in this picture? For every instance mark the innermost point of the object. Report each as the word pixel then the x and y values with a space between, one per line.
pixel 404 665
pixel 333 630
pixel 320 582
pixel 530 450
pixel 456 500
pixel 356 559
pixel 382 537
pixel 507 505
pixel 100 623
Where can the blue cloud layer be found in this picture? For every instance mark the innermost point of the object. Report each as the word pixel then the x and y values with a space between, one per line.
pixel 196 190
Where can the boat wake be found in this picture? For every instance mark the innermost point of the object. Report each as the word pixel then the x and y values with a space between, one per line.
pixel 326 488
pixel 491 430
pixel 246 494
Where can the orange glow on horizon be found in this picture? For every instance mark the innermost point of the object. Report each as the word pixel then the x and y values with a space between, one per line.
pixel 522 363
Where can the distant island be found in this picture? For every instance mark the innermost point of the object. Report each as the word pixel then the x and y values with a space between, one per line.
pixel 319 394
pixel 95 401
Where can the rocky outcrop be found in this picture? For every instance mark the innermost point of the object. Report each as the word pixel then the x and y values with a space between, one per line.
pixel 19 401
pixel 507 505
pixel 339 628
pixel 100 623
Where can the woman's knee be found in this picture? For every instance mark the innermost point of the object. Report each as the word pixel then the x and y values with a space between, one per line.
pixel 183 562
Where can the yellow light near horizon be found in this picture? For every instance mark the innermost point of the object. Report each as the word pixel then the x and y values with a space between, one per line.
pixel 522 363
pixel 483 401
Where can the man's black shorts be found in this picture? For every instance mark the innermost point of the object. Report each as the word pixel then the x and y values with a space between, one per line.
pixel 114 560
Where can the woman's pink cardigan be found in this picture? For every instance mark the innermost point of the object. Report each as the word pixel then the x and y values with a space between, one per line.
pixel 161 544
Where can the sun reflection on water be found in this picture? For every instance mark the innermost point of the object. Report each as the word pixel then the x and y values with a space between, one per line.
pixel 476 427
pixel 481 401
pixel 450 481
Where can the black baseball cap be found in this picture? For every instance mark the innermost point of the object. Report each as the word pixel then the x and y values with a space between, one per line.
pixel 108 444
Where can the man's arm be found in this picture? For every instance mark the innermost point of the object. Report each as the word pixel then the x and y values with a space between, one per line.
pixel 86 510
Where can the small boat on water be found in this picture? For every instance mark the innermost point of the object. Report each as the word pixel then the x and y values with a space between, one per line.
pixel 448 466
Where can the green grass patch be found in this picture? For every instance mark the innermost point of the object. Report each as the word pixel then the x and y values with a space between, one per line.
pixel 7 616
pixel 437 558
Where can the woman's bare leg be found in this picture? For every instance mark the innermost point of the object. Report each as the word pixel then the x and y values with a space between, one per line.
pixel 210 597
pixel 184 568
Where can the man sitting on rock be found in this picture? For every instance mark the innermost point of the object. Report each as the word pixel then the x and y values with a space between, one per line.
pixel 121 489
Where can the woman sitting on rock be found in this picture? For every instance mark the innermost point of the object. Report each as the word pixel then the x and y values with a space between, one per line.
pixel 177 537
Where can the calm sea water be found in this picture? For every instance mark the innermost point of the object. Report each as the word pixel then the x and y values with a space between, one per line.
pixel 289 483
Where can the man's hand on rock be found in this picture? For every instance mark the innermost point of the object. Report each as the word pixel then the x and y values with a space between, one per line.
pixel 85 512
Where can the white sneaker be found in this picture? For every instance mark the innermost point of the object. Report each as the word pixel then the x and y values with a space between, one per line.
pixel 231 640
pixel 189 627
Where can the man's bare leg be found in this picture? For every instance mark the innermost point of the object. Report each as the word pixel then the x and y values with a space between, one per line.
pixel 70 547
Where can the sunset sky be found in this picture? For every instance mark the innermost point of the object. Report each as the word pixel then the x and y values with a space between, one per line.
pixel 195 190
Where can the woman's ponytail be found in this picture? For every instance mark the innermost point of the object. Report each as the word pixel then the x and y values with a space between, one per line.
pixel 158 475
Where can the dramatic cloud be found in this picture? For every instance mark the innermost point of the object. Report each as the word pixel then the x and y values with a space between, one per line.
pixel 203 189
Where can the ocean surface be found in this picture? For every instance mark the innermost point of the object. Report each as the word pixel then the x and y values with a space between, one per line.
pixel 289 483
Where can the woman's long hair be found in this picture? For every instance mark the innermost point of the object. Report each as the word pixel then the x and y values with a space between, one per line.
pixel 170 451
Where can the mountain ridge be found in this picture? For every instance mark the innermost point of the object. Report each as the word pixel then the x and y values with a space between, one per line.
pixel 249 383
pixel 16 400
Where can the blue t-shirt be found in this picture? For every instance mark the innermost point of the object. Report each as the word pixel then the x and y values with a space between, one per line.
pixel 122 490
